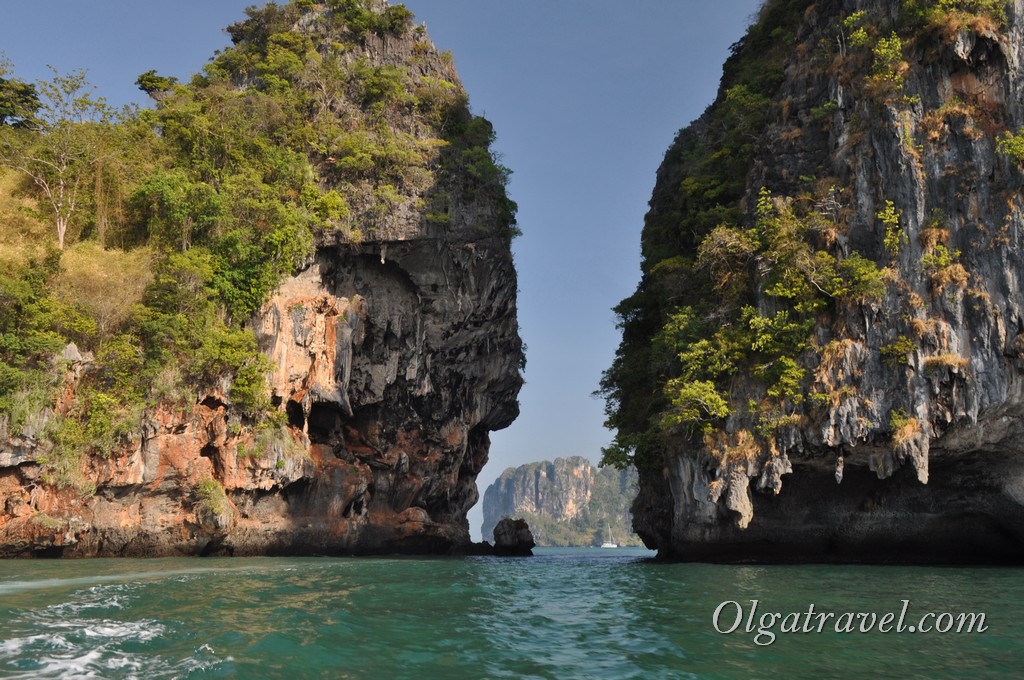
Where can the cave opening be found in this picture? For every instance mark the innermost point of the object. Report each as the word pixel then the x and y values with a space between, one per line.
pixel 296 416
pixel 355 508
pixel 212 453
pixel 325 421
pixel 212 403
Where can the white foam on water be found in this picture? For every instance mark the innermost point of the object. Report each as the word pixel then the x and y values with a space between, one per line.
pixel 80 641
pixel 122 663
pixel 137 631
pixel 13 647
pixel 66 667
pixel 86 649
pixel 85 601
pixel 88 633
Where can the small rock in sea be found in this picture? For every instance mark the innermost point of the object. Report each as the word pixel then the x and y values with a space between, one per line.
pixel 512 537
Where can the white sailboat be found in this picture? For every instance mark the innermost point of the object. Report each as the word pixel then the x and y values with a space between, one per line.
pixel 609 543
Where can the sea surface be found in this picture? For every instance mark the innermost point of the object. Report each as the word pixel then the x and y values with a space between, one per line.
pixel 573 613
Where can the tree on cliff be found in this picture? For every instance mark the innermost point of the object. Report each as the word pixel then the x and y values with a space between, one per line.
pixel 18 99
pixel 58 144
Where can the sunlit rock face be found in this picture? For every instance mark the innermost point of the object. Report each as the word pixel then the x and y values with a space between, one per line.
pixel 567 502
pixel 907 437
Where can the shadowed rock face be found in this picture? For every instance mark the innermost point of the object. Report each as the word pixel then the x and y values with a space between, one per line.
pixel 842 483
pixel 513 538
pixel 394 358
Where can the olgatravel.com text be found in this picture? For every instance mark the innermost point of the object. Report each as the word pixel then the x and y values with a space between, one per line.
pixel 730 617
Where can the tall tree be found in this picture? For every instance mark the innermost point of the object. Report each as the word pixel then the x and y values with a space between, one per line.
pixel 58 145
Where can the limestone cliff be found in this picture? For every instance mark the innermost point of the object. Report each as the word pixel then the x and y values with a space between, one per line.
pixel 393 352
pixel 858 393
pixel 567 502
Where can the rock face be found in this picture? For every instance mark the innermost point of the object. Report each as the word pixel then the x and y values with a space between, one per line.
pixel 512 538
pixel 393 358
pixel 391 374
pixel 567 502
pixel 903 442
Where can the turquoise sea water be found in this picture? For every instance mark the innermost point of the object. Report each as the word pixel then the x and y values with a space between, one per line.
pixel 584 613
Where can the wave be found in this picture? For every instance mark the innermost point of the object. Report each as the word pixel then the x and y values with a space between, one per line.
pixel 12 587
pixel 81 637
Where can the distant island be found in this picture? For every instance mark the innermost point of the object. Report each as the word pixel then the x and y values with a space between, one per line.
pixel 568 502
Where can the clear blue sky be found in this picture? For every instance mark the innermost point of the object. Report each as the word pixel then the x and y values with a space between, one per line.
pixel 585 97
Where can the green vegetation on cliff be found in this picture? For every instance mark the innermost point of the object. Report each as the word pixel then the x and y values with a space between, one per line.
pixel 746 289
pixel 151 237
pixel 680 303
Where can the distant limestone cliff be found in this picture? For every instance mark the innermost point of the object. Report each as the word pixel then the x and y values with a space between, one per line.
pixel 567 502
pixel 824 359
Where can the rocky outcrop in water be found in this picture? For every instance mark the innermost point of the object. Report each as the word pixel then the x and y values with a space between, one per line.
pixel 891 431
pixel 394 353
pixel 513 538
pixel 568 502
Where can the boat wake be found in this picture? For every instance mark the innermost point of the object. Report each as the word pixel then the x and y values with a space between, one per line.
pixel 83 636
